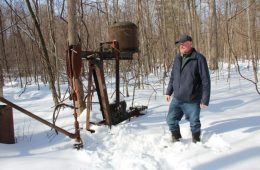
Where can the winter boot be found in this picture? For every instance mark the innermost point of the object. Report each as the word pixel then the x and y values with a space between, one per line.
pixel 196 137
pixel 176 136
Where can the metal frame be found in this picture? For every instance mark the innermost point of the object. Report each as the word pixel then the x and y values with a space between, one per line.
pixel 113 113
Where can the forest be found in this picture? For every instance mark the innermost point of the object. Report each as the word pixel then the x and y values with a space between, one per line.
pixel 34 37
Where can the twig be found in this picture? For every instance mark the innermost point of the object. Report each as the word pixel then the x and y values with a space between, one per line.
pixel 238 68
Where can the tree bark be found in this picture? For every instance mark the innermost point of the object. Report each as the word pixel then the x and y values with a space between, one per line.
pixel 72 36
pixel 2 49
pixel 54 54
pixel 213 36
pixel 251 16
pixel 1 81
pixel 51 78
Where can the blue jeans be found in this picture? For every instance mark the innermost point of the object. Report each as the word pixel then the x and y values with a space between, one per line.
pixel 176 111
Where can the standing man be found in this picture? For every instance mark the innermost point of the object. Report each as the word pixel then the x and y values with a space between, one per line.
pixel 190 85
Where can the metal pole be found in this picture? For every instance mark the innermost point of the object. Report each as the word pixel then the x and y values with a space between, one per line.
pixel 116 53
pixel 71 135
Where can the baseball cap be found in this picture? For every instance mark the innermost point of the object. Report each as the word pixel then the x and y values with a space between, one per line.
pixel 183 38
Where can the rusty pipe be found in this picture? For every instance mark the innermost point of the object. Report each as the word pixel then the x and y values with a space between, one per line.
pixel 117 55
pixel 71 135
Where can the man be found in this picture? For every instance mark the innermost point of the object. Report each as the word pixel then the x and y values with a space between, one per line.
pixel 190 85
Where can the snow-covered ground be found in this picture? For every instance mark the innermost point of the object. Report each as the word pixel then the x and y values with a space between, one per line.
pixel 230 133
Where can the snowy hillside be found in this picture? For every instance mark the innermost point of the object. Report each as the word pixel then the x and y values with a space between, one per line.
pixel 230 133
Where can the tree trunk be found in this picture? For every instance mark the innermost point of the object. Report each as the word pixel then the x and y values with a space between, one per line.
pixel 116 11
pixel 54 54
pixel 2 49
pixel 140 42
pixel 51 78
pixel 107 12
pixel 72 36
pixel 213 36
pixel 1 82
pixel 195 23
pixel 251 16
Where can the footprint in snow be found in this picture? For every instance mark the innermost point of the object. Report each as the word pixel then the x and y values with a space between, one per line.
pixel 216 143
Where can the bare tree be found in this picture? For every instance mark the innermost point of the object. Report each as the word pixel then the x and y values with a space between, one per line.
pixel 73 41
pixel 252 47
pixel 1 81
pixel 213 39
pixel 2 49
pixel 53 44
pixel 29 50
pixel 46 58
pixel 194 22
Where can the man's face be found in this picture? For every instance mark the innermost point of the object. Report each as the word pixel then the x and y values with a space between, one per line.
pixel 185 47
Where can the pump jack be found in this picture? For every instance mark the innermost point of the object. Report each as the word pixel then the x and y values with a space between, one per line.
pixel 116 112
pixel 112 113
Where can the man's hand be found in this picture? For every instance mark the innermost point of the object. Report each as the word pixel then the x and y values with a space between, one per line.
pixel 203 106
pixel 167 98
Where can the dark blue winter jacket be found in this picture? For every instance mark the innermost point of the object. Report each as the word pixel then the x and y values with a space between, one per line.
pixel 192 82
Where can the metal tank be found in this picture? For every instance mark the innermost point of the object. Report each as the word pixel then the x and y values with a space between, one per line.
pixel 126 34
pixel 6 125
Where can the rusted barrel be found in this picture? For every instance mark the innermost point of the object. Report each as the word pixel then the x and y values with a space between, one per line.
pixel 6 125
pixel 126 34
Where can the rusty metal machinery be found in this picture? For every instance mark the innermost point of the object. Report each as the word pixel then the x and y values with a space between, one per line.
pixel 126 34
pixel 122 45
pixel 28 113
pixel 116 112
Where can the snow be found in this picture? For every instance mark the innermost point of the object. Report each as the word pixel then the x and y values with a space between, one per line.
pixel 230 132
